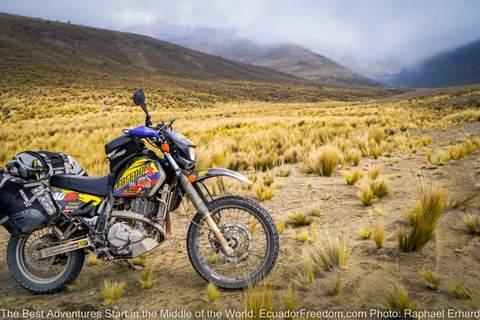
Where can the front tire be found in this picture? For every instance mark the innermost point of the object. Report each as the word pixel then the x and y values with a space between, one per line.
pixel 239 279
pixel 18 260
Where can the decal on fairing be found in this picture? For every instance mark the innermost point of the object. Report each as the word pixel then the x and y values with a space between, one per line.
pixel 138 179
pixel 70 200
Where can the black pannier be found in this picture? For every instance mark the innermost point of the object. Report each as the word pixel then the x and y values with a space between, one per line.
pixel 40 165
pixel 25 205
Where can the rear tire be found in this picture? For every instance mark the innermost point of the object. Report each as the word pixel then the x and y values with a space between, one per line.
pixel 269 228
pixel 16 265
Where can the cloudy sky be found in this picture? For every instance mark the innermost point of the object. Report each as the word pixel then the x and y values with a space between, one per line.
pixel 369 30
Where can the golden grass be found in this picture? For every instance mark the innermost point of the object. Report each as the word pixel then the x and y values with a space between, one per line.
pixel 92 260
pixel 258 297
pixel 303 236
pixel 281 226
pixel 315 211
pixel 379 235
pixel 472 223
pixel 337 287
pixel 353 156
pixel 352 176
pixel 460 291
pixel 141 261
pixel 146 280
pixel 289 299
pixel 431 278
pixel 379 188
pixel 264 193
pixel 331 252
pixel 323 161
pixel 305 277
pixel 364 233
pixel 299 219
pixel 112 291
pixel 211 294
pixel 398 299
pixel 284 173
pixel 423 218
pixel 365 194
pixel 373 172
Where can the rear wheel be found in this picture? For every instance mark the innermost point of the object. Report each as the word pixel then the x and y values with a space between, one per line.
pixel 250 232
pixel 42 275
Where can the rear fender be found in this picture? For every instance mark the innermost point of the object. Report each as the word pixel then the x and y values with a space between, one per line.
pixel 205 174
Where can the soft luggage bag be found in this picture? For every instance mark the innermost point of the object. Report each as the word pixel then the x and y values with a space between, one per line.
pixel 25 205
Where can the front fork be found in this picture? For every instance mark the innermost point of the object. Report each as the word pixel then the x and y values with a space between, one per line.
pixel 200 205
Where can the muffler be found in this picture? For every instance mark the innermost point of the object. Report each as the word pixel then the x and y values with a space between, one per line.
pixel 64 248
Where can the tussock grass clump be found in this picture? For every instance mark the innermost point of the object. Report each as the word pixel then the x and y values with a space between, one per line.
pixel 146 280
pixel 472 223
pixel 432 279
pixel 281 226
pixel 364 233
pixel 323 161
pixel 337 287
pixel 112 291
pixel 305 277
pixel 141 261
pixel 92 260
pixel 365 194
pixel 303 236
pixel 331 253
pixel 373 172
pixel 398 299
pixel 459 291
pixel 379 235
pixel 315 211
pixel 351 177
pixel 211 294
pixel 353 157
pixel 379 188
pixel 283 173
pixel 424 218
pixel 258 297
pixel 290 300
pixel 299 219
pixel 264 193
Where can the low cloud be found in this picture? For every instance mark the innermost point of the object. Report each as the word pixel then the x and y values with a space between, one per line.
pixel 401 31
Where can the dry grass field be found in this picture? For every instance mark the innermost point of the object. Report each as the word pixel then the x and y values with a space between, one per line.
pixel 375 199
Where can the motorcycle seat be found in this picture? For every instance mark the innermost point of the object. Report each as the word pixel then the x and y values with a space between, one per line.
pixel 97 186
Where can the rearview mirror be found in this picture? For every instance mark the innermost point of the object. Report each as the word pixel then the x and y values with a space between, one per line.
pixel 139 98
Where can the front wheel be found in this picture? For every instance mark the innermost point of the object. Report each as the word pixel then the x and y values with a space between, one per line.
pixel 42 275
pixel 250 232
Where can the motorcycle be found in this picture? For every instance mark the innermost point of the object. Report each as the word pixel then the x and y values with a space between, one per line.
pixel 231 241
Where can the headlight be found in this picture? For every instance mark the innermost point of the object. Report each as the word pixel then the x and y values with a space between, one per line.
pixel 191 153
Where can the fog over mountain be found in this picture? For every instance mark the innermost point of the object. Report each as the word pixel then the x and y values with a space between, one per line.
pixel 372 37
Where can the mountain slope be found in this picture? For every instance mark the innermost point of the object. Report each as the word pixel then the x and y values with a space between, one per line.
pixel 460 66
pixel 287 58
pixel 41 48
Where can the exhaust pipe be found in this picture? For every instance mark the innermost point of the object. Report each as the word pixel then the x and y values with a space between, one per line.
pixel 64 248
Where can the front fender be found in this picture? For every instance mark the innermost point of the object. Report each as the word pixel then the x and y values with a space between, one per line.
pixel 205 174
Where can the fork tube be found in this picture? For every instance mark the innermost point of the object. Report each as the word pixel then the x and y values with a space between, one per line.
pixel 200 205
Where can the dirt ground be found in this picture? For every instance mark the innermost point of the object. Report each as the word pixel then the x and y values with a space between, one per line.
pixel 454 254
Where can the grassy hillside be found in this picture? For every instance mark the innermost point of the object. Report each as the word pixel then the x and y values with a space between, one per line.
pixel 460 66
pixel 288 58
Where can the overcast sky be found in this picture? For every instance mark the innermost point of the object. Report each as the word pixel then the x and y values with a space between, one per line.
pixel 405 31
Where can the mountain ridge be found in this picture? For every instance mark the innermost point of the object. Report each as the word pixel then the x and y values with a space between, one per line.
pixel 456 67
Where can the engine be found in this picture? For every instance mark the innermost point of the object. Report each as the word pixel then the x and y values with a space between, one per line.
pixel 129 241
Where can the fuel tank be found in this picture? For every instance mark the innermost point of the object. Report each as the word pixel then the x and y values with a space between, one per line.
pixel 142 177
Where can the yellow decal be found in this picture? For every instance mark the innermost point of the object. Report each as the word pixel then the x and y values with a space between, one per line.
pixel 136 169
pixel 201 173
pixel 83 197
